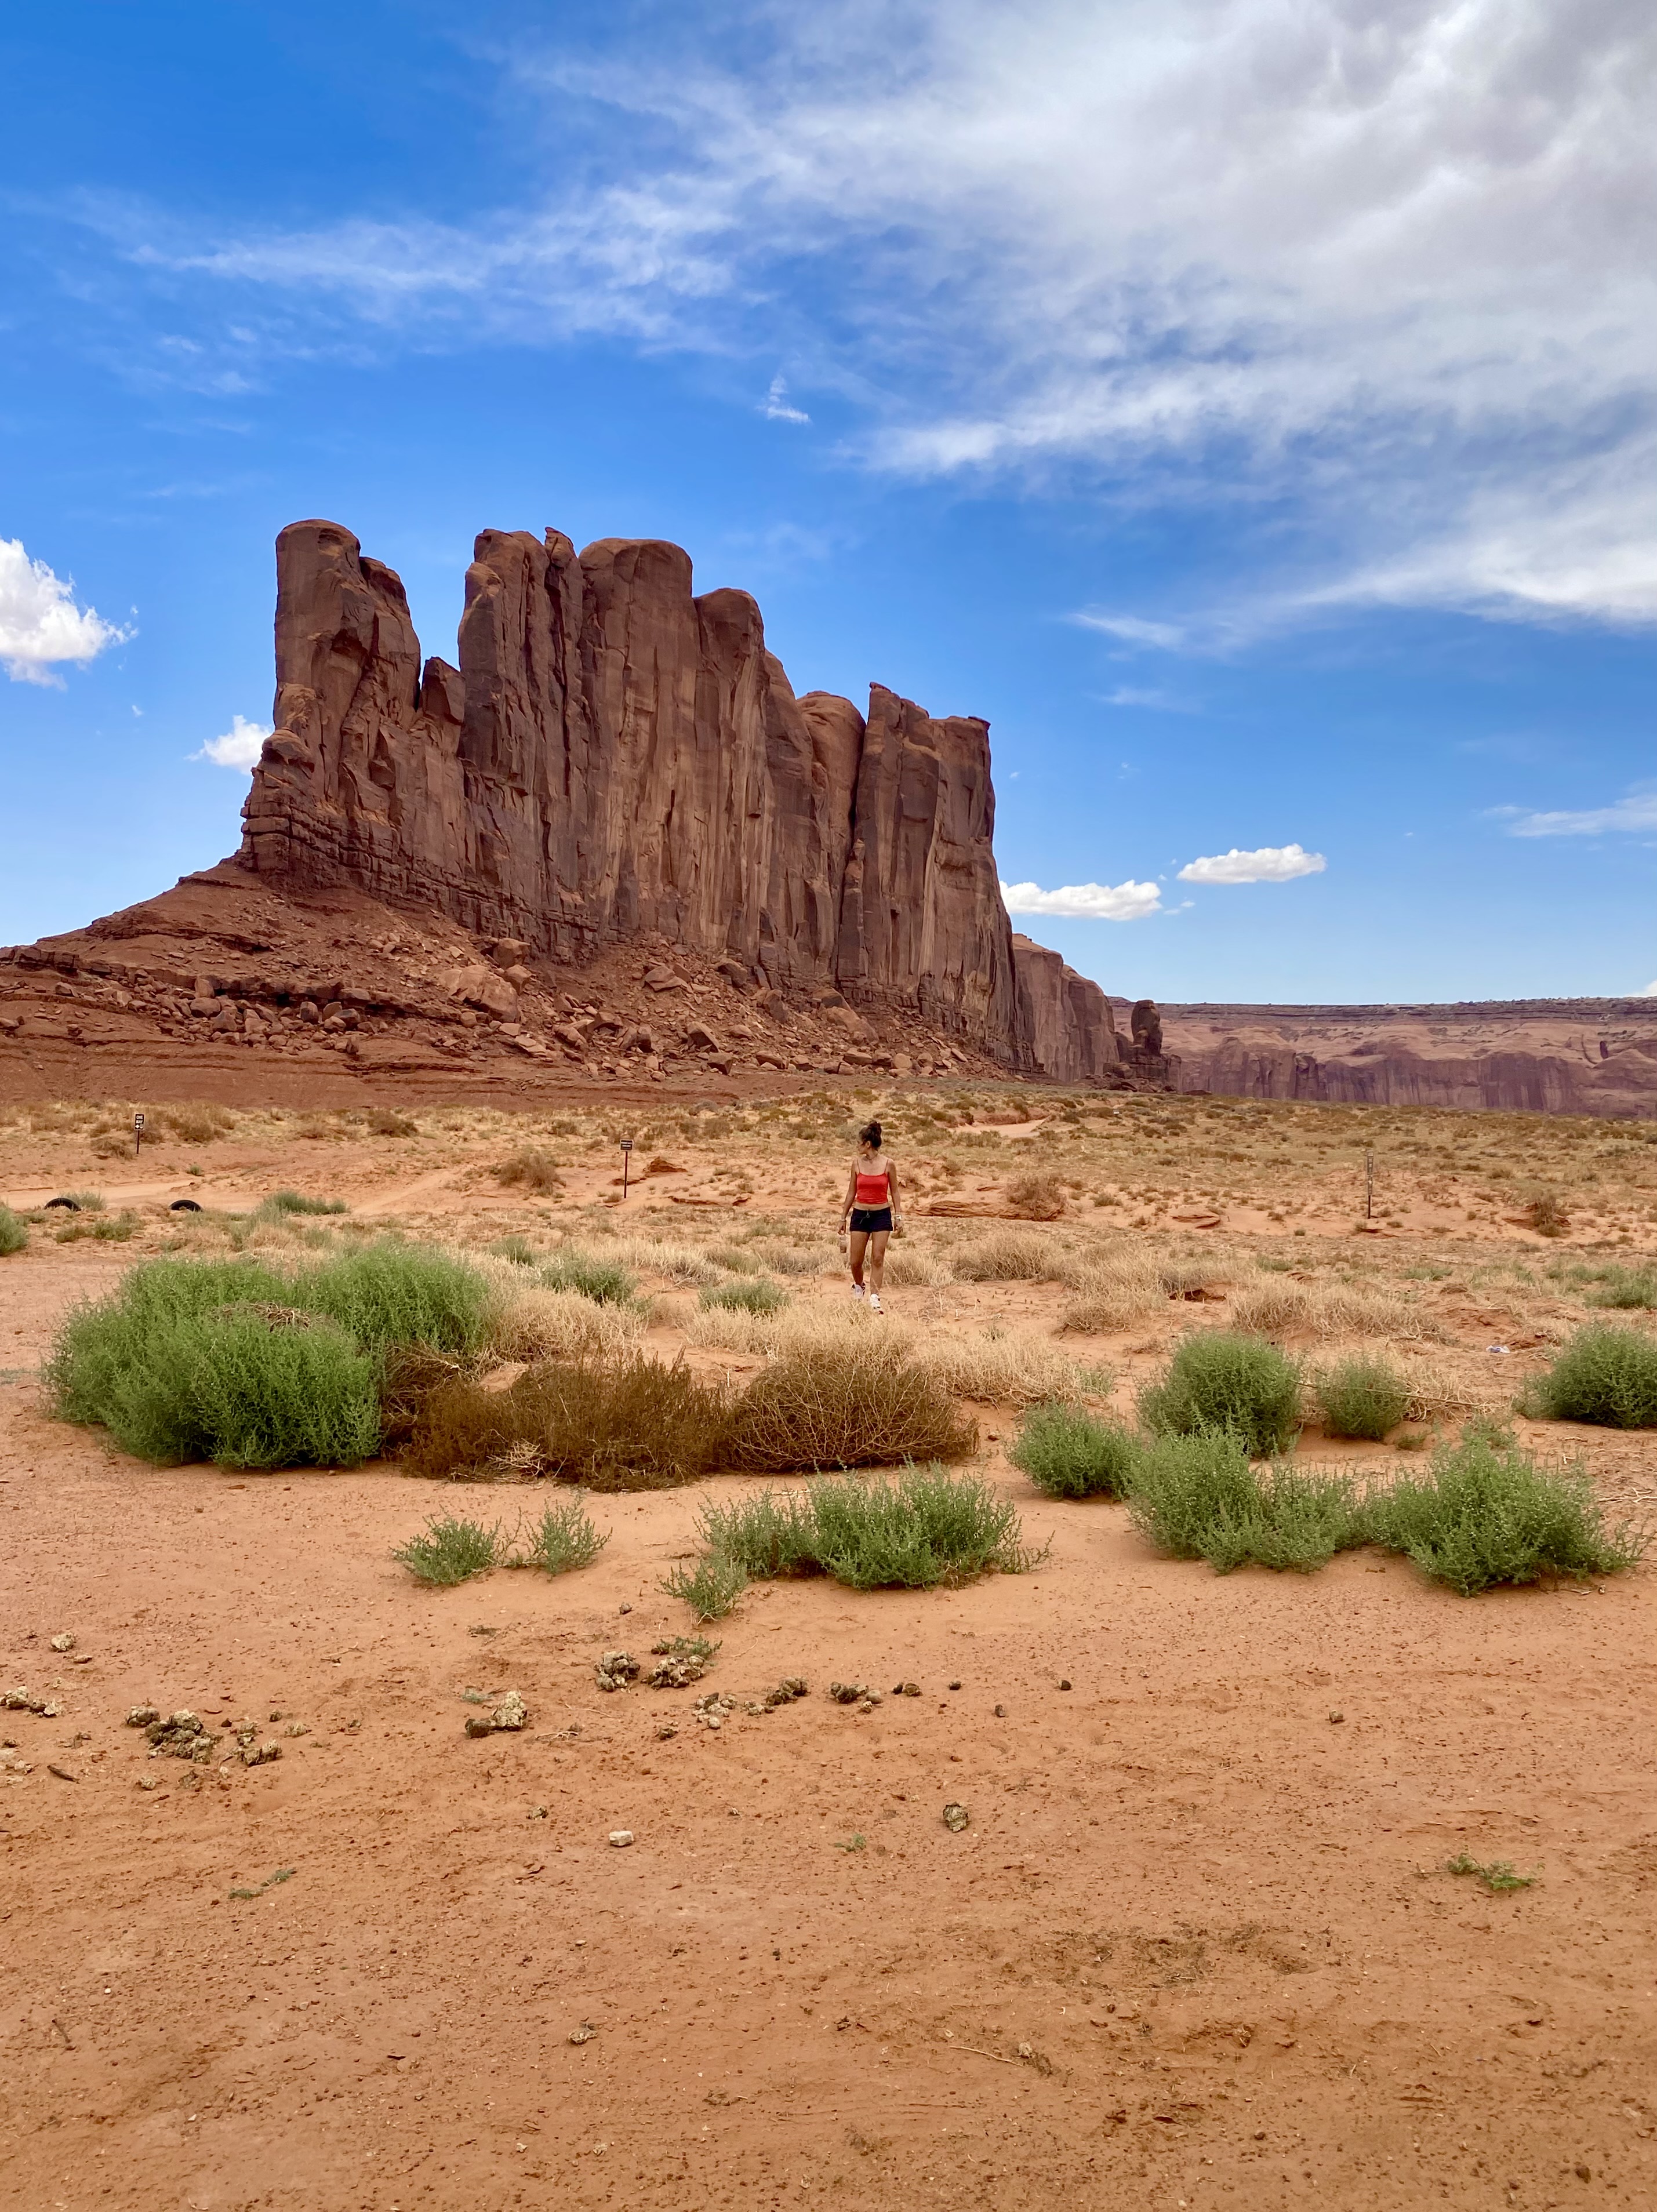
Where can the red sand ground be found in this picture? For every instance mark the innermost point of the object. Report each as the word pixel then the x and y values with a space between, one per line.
pixel 1196 1948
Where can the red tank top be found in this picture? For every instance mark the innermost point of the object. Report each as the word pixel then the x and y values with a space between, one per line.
pixel 875 1189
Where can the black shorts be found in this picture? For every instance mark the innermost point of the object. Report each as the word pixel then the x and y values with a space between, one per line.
pixel 865 1220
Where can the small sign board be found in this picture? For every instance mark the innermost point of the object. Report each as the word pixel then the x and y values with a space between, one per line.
pixel 137 1135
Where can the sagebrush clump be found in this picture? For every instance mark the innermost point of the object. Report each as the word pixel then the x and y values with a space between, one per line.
pixel 241 1361
pixel 851 1404
pixel 1605 1376
pixel 1195 1495
pixel 14 1233
pixel 1070 1453
pixel 1221 1381
pixel 1363 1397
pixel 1486 1513
pixel 924 1528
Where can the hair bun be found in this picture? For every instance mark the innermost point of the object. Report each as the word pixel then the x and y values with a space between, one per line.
pixel 870 1135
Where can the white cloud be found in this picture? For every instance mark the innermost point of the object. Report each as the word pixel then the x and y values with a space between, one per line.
pixel 1650 991
pixel 1160 703
pixel 776 408
pixel 1637 812
pixel 40 625
pixel 1129 902
pixel 239 747
pixel 1383 267
pixel 1132 630
pixel 1267 864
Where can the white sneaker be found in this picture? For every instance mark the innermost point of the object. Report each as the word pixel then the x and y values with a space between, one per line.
pixel 874 1305
pixel 857 1290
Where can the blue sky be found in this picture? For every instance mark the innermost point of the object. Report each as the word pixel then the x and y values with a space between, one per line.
pixel 1246 407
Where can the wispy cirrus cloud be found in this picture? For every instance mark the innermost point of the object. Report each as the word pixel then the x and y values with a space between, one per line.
pixel 1266 864
pixel 41 628
pixel 1129 902
pixel 1637 812
pixel 1385 268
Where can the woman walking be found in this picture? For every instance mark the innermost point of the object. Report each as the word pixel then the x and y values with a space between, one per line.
pixel 870 1213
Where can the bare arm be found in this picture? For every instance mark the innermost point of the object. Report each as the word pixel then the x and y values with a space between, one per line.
pixel 891 1191
pixel 851 1196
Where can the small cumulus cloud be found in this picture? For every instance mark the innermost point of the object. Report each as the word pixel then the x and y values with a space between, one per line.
pixel 1650 991
pixel 40 625
pixel 1129 902
pixel 239 747
pixel 1267 864
pixel 776 408
pixel 1638 812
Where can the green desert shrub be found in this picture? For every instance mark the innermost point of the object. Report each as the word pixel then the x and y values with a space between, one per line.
pixel 1625 1288
pixel 607 1282
pixel 13 1234
pixel 241 1361
pixel 626 1423
pixel 840 1405
pixel 293 1391
pixel 448 1551
pixel 710 1586
pixel 1363 1397
pixel 1218 1380
pixel 563 1538
pixel 1195 1495
pixel 1485 1512
pixel 922 1528
pixel 1604 1375
pixel 293 1202
pixel 392 1293
pixel 1071 1453
pixel 754 1294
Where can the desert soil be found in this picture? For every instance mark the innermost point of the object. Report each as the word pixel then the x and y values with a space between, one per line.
pixel 1196 1945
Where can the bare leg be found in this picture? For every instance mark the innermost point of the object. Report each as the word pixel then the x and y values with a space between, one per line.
pixel 877 1259
pixel 856 1244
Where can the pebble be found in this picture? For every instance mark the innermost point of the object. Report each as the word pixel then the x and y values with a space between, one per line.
pixel 620 1839
pixel 1337 1716
pixel 955 1818
pixel 63 1643
pixel 1065 1681
pixel 955 1686
pixel 1001 1712
pixel 584 2034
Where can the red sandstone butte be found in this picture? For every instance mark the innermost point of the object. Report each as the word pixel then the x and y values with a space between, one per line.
pixel 616 758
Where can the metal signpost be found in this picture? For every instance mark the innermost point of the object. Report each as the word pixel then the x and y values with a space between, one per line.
pixel 626 1162
pixel 137 1135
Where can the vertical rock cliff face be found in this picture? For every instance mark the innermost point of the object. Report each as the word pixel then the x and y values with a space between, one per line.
pixel 1067 1020
pixel 616 756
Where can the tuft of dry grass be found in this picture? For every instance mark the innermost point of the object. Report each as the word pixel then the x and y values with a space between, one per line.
pixel 1010 1255
pixel 851 1405
pixel 1036 1197
pixel 530 1169
pixel 907 1268
pixel 1014 1369
pixel 1281 1308
pixel 627 1424
pixel 821 1326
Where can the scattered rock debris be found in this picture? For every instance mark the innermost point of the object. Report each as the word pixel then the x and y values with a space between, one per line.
pixel 790 1687
pixel 616 1671
pixel 906 1689
pixel 712 1709
pixel 854 1693
pixel 955 1818
pixel 511 1713
pixel 584 2034
pixel 183 1735
pixel 20 1701
pixel 141 1716
pixel 681 1660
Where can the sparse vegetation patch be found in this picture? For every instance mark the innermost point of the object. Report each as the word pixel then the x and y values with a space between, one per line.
pixel 1070 1453
pixel 1221 1381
